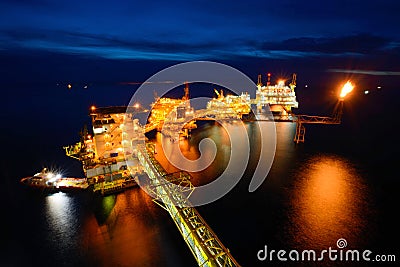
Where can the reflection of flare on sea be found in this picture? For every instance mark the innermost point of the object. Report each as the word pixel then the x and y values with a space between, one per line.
pixel 329 202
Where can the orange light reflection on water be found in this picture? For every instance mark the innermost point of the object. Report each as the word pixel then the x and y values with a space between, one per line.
pixel 124 231
pixel 190 150
pixel 329 203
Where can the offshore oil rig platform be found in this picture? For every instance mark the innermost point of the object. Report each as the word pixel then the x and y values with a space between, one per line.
pixel 115 154
pixel 102 153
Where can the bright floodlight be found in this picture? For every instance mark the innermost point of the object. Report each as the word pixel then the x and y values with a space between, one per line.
pixel 347 88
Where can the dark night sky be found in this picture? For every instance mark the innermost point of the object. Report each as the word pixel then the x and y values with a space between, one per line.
pixel 99 40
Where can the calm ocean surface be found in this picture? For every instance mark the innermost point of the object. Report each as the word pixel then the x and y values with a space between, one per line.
pixel 342 183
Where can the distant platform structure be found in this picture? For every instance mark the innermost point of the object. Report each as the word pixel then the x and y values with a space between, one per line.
pixel 279 97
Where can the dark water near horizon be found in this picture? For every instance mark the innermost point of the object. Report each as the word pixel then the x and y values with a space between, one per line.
pixel 342 183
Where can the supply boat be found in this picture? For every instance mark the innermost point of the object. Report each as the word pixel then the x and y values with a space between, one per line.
pixel 54 182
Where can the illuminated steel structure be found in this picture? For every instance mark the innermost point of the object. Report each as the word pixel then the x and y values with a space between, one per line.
pixel 113 155
pixel 207 248
pixel 280 97
pixel 172 110
pixel 229 105
pixel 308 119
pixel 103 154
pixel 109 158
pixel 336 117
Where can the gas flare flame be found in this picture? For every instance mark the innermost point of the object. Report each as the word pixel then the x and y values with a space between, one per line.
pixel 347 88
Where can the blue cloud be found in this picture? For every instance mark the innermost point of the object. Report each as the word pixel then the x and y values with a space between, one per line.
pixel 367 72
pixel 196 30
pixel 115 47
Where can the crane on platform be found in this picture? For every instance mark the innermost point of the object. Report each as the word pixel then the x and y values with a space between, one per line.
pixel 293 83
pixel 259 82
pixel 220 94
pixel 186 90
